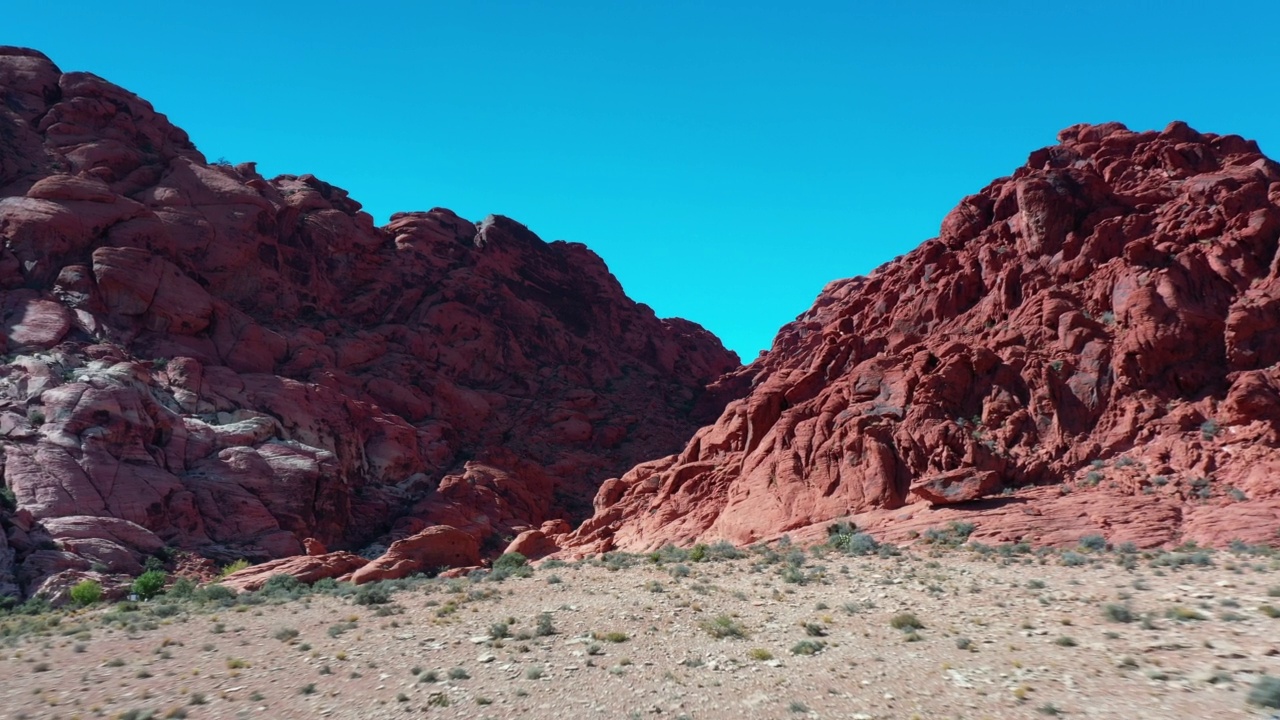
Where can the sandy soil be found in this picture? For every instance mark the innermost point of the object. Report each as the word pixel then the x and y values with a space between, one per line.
pixel 1019 637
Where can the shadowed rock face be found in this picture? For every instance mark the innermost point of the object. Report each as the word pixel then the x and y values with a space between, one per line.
pixel 1091 344
pixel 231 364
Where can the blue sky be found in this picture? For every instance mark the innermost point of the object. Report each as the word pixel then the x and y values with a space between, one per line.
pixel 726 159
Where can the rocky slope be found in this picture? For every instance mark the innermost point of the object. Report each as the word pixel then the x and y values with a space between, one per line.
pixel 198 357
pixel 1089 347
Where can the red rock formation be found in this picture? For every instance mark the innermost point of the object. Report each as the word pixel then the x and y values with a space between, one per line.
pixel 437 547
pixel 1103 323
pixel 234 363
pixel 306 568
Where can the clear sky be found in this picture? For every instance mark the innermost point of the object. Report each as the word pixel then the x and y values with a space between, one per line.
pixel 727 159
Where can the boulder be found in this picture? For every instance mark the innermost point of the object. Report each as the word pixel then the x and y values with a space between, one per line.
pixel 305 568
pixel 431 550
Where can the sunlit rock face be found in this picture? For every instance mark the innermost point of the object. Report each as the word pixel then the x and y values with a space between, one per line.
pixel 1088 347
pixel 231 364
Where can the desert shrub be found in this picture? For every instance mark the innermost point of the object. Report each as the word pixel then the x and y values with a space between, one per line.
pixel 1183 613
pixel 511 560
pixel 282 585
pixel 724 550
pixel 793 574
pixel 220 594
pixel 182 589
pixel 955 533
pixel 1265 692
pixel 905 621
pixel 1118 613
pixel 165 610
pixel 807 647
pixel 724 626
pixel 375 593
pixel 1093 542
pixel 234 567
pixel 814 629
pixel 1074 559
pixel 8 501
pixel 668 553
pixel 325 585
pixel 1209 429
pixel 86 592
pixel 149 584
pixel 863 544
pixel 544 626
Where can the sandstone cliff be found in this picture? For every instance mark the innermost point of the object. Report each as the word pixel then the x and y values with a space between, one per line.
pixel 1089 347
pixel 199 357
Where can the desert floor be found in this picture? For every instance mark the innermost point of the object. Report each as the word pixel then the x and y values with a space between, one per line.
pixel 777 633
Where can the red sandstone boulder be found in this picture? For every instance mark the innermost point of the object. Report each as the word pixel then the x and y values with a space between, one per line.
pixel 1103 321
pixel 957 486
pixel 305 568
pixel 533 544
pixel 437 547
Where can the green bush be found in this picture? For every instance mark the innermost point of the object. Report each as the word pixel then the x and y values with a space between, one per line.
pixel 236 566
pixel 86 592
pixel 510 561
pixel 8 501
pixel 149 584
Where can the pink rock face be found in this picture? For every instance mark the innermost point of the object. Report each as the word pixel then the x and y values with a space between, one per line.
pixel 1103 322
pixel 306 568
pixel 434 548
pixel 236 363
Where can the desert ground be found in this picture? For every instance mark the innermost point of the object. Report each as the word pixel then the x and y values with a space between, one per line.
pixel 926 631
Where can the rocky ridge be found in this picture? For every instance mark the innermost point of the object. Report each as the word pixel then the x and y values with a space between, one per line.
pixel 198 357
pixel 1090 346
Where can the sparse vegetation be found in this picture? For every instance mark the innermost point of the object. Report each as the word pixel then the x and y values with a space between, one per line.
pixel 835 610
pixel 724 626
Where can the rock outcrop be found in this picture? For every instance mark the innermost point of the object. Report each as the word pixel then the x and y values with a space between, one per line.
pixel 1089 347
pixel 230 364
